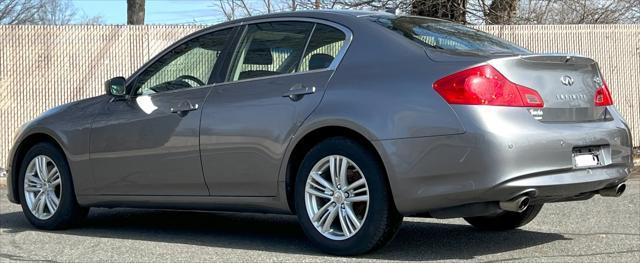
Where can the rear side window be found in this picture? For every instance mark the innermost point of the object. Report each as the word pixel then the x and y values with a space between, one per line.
pixel 323 47
pixel 271 48
pixel 438 34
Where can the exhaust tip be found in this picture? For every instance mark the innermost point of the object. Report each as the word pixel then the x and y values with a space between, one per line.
pixel 518 204
pixel 614 191
pixel 524 203
pixel 621 189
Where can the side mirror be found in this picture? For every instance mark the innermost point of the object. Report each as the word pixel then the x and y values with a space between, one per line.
pixel 116 87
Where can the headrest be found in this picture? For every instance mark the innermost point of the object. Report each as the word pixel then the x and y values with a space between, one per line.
pixel 258 54
pixel 320 61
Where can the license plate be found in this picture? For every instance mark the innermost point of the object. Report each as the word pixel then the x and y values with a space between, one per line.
pixel 586 160
pixel 587 156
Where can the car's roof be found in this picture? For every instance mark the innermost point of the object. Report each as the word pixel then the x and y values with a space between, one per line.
pixel 328 14
pixel 347 12
pixel 355 13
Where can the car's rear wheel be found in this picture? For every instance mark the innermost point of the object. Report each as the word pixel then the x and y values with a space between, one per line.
pixel 46 190
pixel 505 220
pixel 343 200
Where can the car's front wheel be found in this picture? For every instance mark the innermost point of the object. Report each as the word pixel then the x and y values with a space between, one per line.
pixel 343 200
pixel 46 190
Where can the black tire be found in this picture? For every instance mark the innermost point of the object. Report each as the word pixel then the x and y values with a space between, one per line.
pixel 505 220
pixel 382 221
pixel 68 212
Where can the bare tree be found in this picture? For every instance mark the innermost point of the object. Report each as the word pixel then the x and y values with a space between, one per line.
pixel 454 10
pixel 135 12
pixel 57 12
pixel 227 8
pixel 52 12
pixel 377 5
pixel 267 6
pixel 578 12
pixel 510 11
pixel 93 20
pixel 463 11
pixel 233 9
pixel 501 12
pixel 317 4
pixel 446 9
pixel 20 11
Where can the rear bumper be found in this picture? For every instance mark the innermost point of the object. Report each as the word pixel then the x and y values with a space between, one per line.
pixel 560 185
pixel 498 158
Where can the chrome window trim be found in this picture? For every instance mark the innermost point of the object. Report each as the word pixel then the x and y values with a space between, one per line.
pixel 333 66
pixel 176 90
pixel 271 77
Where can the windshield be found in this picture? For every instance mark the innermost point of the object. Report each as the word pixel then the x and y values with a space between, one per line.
pixel 439 34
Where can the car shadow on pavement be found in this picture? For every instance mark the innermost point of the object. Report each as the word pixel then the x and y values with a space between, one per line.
pixel 281 233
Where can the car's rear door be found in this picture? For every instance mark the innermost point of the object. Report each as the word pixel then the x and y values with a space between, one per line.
pixel 276 79
pixel 149 144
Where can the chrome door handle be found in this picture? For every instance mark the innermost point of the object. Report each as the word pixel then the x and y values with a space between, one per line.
pixel 297 92
pixel 184 108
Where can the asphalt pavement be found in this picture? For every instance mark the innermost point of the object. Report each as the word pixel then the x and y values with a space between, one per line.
pixel 602 229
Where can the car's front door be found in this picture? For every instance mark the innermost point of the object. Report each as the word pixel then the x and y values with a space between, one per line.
pixel 278 76
pixel 149 144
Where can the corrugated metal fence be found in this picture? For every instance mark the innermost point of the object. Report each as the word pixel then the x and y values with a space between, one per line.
pixel 44 66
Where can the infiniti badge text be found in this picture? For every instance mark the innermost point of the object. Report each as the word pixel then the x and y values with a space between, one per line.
pixel 567 97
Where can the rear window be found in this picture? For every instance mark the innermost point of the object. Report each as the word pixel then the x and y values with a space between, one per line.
pixel 439 34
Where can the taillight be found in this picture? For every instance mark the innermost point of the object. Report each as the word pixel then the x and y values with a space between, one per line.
pixel 603 95
pixel 484 85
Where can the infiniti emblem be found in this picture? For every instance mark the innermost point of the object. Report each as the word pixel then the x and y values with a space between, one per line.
pixel 566 80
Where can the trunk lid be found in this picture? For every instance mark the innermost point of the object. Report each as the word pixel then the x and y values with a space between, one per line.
pixel 566 83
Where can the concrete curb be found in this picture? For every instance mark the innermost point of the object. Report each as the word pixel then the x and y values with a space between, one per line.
pixel 3 178
pixel 636 167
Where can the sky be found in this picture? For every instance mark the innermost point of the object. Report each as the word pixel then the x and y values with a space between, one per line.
pixel 157 11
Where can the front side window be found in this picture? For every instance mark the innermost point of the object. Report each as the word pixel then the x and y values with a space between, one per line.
pixel 324 46
pixel 269 49
pixel 186 66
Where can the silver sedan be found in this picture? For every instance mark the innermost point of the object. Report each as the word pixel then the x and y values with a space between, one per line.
pixel 351 120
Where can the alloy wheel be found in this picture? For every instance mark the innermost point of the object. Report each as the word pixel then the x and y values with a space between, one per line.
pixel 337 197
pixel 42 187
